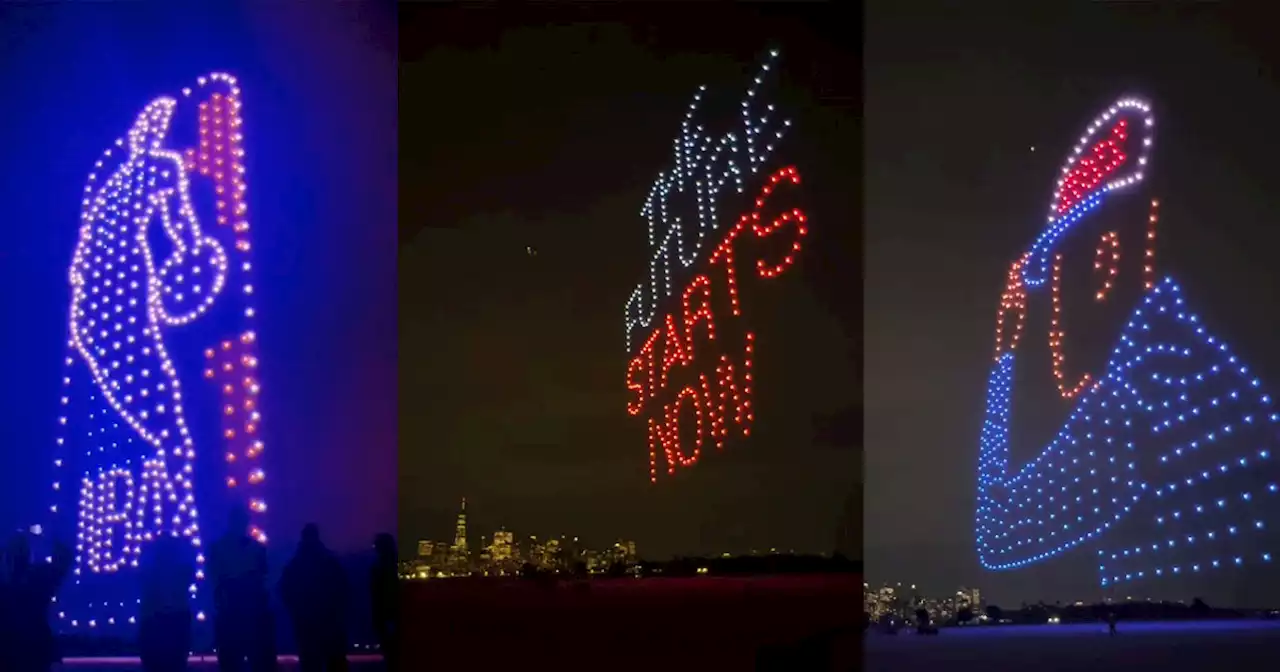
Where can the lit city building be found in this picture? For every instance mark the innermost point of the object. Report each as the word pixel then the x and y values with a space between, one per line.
pixel 501 548
pixel 903 602
pixel 552 555
pixel 502 555
pixel 968 597
pixel 537 555
pixel 459 559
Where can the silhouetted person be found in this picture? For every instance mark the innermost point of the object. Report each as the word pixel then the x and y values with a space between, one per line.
pixel 313 588
pixel 385 591
pixel 25 593
pixel 922 621
pixel 242 626
pixel 167 570
pixel 1111 622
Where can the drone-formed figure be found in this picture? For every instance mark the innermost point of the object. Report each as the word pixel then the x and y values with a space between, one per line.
pixel 146 266
pixel 124 298
pixel 1164 465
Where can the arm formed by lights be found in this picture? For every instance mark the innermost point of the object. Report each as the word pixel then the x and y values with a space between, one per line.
pixel 177 294
pixel 1168 379
pixel 174 301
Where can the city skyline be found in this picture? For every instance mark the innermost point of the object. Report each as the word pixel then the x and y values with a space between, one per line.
pixel 464 529
pixel 505 554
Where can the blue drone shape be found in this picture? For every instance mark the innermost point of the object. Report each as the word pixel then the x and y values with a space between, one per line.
pixel 1171 442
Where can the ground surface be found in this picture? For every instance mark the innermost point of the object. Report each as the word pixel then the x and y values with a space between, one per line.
pixel 657 624
pixel 1166 646
pixel 357 664
pixel 663 624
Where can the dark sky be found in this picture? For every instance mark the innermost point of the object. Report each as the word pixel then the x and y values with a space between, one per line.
pixel 321 187
pixel 547 130
pixel 954 102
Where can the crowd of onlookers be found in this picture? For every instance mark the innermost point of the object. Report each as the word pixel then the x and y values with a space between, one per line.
pixel 313 589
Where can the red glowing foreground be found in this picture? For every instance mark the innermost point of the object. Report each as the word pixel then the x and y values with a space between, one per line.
pixel 704 623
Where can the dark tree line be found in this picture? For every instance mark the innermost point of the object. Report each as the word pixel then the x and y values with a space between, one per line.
pixel 1041 612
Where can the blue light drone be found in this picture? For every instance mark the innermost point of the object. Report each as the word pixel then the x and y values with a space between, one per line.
pixel 1164 465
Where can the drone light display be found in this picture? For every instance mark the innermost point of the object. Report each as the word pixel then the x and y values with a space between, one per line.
pixel 1164 465
pixel 689 376
pixel 161 303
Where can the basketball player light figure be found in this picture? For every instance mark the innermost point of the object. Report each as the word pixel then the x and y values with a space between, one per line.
pixel 123 300
pixel 150 310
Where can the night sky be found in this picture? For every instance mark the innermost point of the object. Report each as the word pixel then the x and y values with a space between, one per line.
pixel 321 185
pixel 955 102
pixel 547 130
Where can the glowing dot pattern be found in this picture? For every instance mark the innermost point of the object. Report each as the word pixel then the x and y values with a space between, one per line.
pixel 123 431
pixel 1013 300
pixel 706 402
pixel 1164 465
pixel 1092 168
pixel 1057 336
pixel 1107 260
pixel 1149 255
pixel 717 399
pixel 1172 394
pixel 1088 178
pixel 704 167
pixel 219 156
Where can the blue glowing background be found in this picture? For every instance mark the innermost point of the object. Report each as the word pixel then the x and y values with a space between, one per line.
pixel 321 176
pixel 1165 468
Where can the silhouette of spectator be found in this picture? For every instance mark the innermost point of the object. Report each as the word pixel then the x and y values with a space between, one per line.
pixel 242 626
pixel 28 588
pixel 167 570
pixel 922 620
pixel 10 638
pixel 1111 622
pixel 314 591
pixel 385 592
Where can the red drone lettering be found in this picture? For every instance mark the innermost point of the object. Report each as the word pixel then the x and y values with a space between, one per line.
pixel 719 391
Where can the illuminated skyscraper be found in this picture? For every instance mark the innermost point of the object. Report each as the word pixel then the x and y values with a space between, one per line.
pixel 502 545
pixel 536 553
pixel 552 554
pixel 424 548
pixel 968 597
pixel 460 537
pixel 440 555
pixel 459 550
